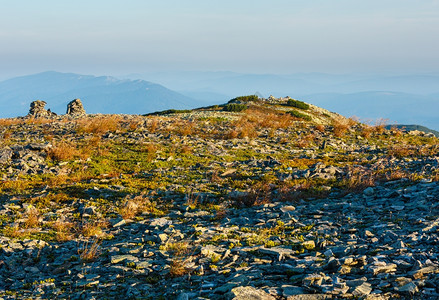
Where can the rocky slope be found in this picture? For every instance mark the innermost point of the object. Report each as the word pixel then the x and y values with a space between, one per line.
pixel 265 203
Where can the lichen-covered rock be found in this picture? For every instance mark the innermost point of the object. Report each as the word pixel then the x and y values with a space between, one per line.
pixel 75 108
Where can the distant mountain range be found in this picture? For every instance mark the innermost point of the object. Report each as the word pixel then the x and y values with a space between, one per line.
pixel 99 94
pixel 230 84
pixel 395 107
pixel 408 99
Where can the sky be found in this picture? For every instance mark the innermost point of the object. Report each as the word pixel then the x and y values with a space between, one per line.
pixel 249 36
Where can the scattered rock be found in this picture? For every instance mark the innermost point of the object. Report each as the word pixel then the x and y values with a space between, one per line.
pixel 188 238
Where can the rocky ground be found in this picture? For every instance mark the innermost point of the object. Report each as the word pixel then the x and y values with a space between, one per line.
pixel 213 204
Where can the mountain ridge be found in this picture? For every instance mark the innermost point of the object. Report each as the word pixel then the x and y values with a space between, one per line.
pixel 102 94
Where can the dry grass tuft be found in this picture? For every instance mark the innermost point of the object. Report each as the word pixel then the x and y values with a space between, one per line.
pixel 63 231
pixel 395 174
pixel 185 149
pixel 135 206
pixel 191 200
pixel 178 248
pixel 89 252
pixel 65 151
pixel 255 119
pixel 15 186
pixel 340 127
pixel 153 124
pixel 32 218
pixel 259 194
pixel 357 180
pixel 7 134
pixel 93 229
pixel 14 232
pixel 151 149
pixel 301 189
pixel 178 268
pixel 400 151
pixel 366 131
pixel 38 121
pixel 380 126
pixel 320 128
pixel 182 127
pixel 99 125
pixel 305 141
pixel 9 122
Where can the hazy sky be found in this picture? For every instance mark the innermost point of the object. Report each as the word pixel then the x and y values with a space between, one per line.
pixel 278 36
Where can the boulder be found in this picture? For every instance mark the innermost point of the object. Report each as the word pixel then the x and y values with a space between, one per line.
pixel 75 108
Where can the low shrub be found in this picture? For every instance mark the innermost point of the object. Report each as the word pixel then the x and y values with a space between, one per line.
pixel 99 125
pixel 168 112
pixel 340 127
pixel 64 151
pixel 250 98
pixel 234 107
pixel 298 104
pixel 299 115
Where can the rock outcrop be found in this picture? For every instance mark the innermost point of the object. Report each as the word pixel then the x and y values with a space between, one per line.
pixel 75 108
pixel 37 110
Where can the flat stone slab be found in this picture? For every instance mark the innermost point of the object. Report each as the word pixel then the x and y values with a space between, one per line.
pixel 249 292
pixel 119 258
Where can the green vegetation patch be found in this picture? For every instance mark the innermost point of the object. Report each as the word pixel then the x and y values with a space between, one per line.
pixel 234 107
pixel 168 112
pixel 300 115
pixel 249 98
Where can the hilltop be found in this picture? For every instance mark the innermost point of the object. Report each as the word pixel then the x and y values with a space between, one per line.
pixel 402 99
pixel 270 199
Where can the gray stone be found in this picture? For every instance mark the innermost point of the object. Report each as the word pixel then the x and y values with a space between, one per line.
pixel 279 252
pixel 162 237
pixel 315 279
pixel 310 297
pixel 5 155
pixel 362 290
pixel 183 296
pixel 249 293
pixel 369 191
pixel 161 222
pixel 382 267
pixel 115 259
pixel 409 288
pixel 289 290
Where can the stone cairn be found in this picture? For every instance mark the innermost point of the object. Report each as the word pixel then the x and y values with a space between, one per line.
pixel 37 110
pixel 75 108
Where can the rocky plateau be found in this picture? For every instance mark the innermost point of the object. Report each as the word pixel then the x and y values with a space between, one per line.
pixel 254 199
